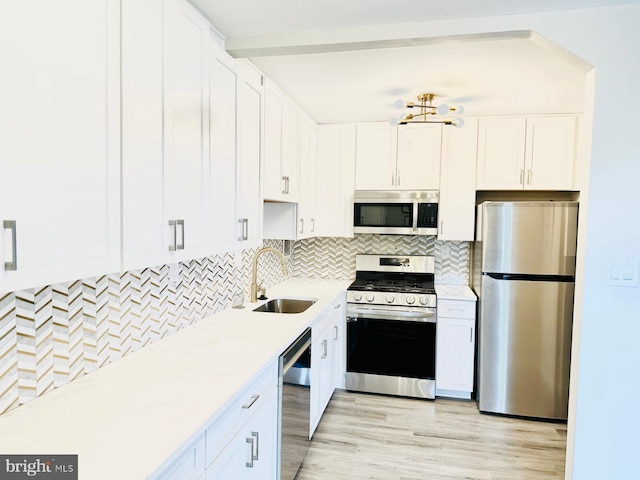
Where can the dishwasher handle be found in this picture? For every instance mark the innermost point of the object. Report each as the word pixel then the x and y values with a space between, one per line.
pixel 295 351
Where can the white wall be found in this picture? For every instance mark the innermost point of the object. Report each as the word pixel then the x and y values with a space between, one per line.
pixel 603 440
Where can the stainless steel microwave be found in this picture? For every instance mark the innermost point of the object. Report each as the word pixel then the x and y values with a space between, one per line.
pixel 396 212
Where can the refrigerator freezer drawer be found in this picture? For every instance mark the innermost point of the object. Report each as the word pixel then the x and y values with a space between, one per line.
pixel 525 347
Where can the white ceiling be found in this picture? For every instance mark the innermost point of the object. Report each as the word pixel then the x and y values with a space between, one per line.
pixel 500 75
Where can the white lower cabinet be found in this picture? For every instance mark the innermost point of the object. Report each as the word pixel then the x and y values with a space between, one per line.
pixel 252 453
pixel 189 465
pixel 327 340
pixel 239 443
pixel 455 348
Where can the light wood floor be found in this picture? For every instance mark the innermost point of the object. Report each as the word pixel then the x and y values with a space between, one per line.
pixel 377 437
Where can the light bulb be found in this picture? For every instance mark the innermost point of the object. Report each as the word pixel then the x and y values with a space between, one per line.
pixel 400 103
pixel 394 121
pixel 458 122
pixel 459 109
pixel 443 109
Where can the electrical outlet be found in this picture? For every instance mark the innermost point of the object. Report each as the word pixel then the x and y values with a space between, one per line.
pixel 621 271
pixel 174 274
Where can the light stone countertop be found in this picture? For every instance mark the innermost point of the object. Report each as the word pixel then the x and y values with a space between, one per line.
pixel 455 292
pixel 125 419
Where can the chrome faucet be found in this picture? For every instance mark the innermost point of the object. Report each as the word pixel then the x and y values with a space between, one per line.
pixel 254 271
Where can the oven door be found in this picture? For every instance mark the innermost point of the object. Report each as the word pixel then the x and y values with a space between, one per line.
pixel 391 350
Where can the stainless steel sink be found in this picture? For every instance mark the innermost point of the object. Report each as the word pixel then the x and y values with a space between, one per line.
pixel 286 305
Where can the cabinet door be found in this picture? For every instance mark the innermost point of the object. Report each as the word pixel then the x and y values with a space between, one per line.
pixel 335 178
pixel 249 193
pixel 323 367
pixel 550 153
pixel 223 127
pixel 376 145
pixel 339 359
pixel 456 210
pixel 186 116
pixel 188 466
pixel 308 180
pixel 60 147
pixel 418 161
pixel 455 346
pixel 273 182
pixel 501 144
pixel 252 453
pixel 290 166
pixel 143 215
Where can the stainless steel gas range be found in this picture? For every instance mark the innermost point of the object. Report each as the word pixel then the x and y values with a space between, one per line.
pixel 391 326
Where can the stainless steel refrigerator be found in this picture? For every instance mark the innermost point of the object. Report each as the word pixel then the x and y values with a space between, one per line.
pixel 524 267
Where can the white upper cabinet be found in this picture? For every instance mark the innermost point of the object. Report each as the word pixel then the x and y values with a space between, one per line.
pixel 335 170
pixel 534 153
pixel 248 185
pixel 376 148
pixel 308 178
pixel 282 148
pixel 60 147
pixel 550 153
pixel 186 130
pixel 224 225
pixel 418 159
pixel 406 157
pixel 456 209
pixel 165 133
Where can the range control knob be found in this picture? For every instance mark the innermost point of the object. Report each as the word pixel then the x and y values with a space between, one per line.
pixel 370 297
pixel 410 300
pixel 389 298
pixel 357 297
pixel 423 300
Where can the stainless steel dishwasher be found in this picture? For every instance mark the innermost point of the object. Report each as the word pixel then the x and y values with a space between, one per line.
pixel 293 417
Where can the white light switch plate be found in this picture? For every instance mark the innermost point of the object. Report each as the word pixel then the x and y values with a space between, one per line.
pixel 621 271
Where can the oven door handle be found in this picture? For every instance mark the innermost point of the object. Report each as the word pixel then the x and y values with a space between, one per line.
pixel 428 316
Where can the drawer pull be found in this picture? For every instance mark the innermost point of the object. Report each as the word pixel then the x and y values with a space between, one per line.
pixel 251 401
pixel 249 464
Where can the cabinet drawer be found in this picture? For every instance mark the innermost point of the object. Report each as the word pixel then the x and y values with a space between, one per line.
pixel 456 309
pixel 231 418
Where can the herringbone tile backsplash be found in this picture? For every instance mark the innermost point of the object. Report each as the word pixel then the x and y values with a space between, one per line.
pixel 52 335
pixel 321 257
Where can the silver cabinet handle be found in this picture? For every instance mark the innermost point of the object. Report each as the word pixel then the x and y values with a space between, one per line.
pixel 284 185
pixel 173 244
pixel 249 403
pixel 393 179
pixel 256 435
pixel 335 332
pixel 13 264
pixel 244 229
pixel 528 177
pixel 241 223
pixel 521 176
pixel 313 225
pixel 470 334
pixel 398 180
pixel 249 463
pixel 301 225
pixel 441 227
pixel 324 348
pixel 180 223
pixel 287 185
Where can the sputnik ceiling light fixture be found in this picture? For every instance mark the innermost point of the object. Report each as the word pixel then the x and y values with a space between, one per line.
pixel 426 109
